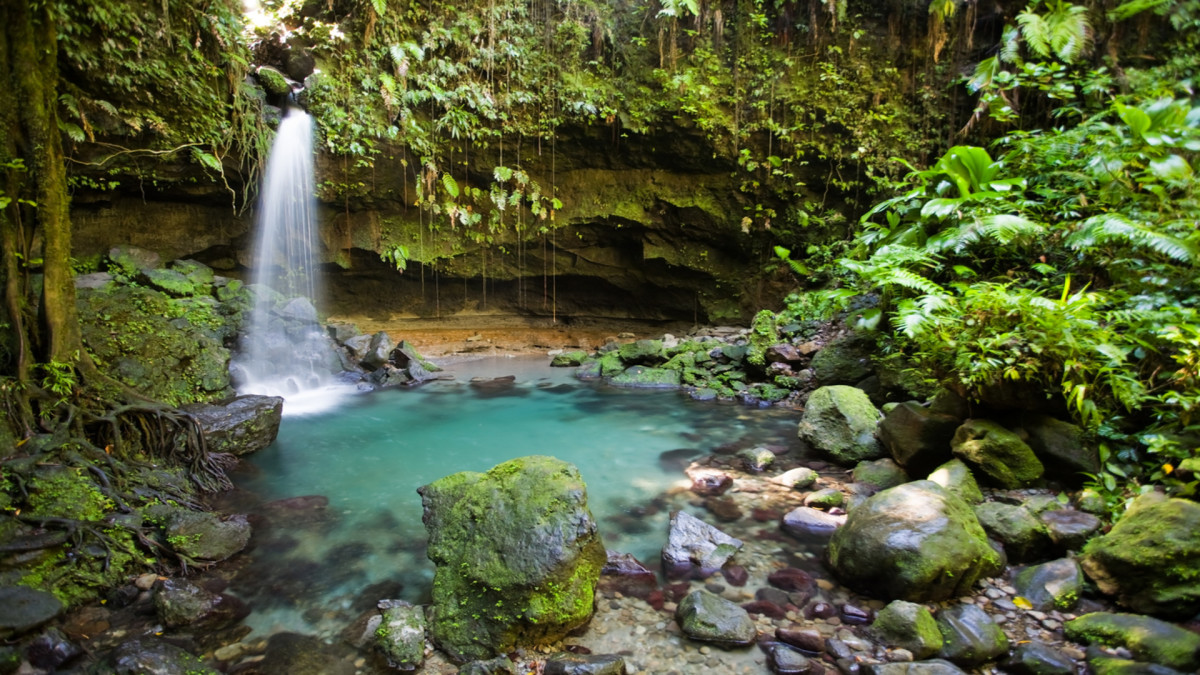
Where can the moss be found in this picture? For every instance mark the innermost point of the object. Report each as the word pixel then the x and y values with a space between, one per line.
pixel 1148 639
pixel 67 493
pixel 763 334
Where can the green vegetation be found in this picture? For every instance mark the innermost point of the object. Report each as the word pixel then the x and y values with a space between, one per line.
pixel 1061 265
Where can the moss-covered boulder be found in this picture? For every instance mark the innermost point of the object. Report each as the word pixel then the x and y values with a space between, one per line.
pixel 569 359
pixel 517 556
pixel 1022 534
pixel 910 626
pixel 1147 638
pixel 642 377
pixel 996 453
pixel 708 617
pixel 917 437
pixel 239 426
pixel 913 542
pixel 843 361
pixel 1149 560
pixel 840 421
pixel 401 634
pixel 644 352
pixel 957 478
pixel 880 473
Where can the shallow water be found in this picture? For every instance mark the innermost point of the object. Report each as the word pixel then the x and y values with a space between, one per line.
pixel 309 569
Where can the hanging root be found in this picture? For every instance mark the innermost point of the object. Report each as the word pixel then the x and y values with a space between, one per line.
pixel 160 433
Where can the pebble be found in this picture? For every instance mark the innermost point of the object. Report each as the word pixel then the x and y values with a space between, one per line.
pixel 994 593
pixel 1051 624
pixel 899 655
pixel 145 582
pixel 825 584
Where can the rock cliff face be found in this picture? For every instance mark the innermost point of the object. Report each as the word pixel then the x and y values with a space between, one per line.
pixel 650 227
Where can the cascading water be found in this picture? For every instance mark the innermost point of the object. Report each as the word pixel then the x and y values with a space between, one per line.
pixel 285 352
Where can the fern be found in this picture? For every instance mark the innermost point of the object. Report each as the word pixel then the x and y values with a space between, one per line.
pixel 1110 228
pixel 1063 32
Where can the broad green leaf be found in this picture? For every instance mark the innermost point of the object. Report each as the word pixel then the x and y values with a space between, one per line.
pixel 450 184
pixel 1170 168
pixel 1136 119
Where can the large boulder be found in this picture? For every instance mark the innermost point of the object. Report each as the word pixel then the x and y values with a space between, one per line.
pixel 997 453
pixel 957 478
pixel 1022 534
pixel 241 425
pixel 1147 638
pixel 917 437
pixel 517 556
pixel 840 421
pixel 969 636
pixel 1061 446
pixel 843 361
pixel 913 542
pixel 1150 557
pixel 23 608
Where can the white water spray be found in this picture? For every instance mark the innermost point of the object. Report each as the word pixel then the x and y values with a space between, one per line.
pixel 285 352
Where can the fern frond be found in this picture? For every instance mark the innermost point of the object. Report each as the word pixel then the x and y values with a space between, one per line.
pixel 1035 31
pixel 1114 227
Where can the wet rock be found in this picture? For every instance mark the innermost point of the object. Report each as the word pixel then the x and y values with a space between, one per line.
pixel 695 549
pixel 855 615
pixel 931 667
pixel 1069 529
pixel 588 664
pixel 1150 557
pixel 205 536
pixel 1023 536
pixel 798 478
pixel 765 608
pixel 910 626
pixel 969 636
pixel 839 422
pixel 918 438
pixel 129 259
pixel 912 542
pixel 501 665
pixel 1053 585
pixel 1101 662
pixel 806 639
pixel 401 634
pixel 791 579
pixel 735 575
pixel 241 425
pixel 809 524
pixel 93 281
pixel 843 361
pixel 147 656
pixel 1147 639
pixel 756 460
pixel 296 654
pixel 517 556
pixel 23 609
pixel 820 610
pixel 782 353
pixel 723 509
pixel 641 352
pixel 824 499
pixel 996 453
pixel 625 574
pixel 711 618
pixel 643 377
pixel 678 459
pixel 709 482
pixel 782 659
pixel 958 480
pixel 179 602
pixel 568 359
pixel 51 649
pixel 1061 447
pixel 1035 658
pixel 880 473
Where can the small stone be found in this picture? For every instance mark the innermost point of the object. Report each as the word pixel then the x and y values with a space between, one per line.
pixel 145 582
pixel 899 656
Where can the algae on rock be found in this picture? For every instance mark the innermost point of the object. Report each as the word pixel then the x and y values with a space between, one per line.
pixel 517 556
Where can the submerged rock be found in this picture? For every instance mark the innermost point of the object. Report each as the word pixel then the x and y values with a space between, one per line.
pixel 839 421
pixel 912 542
pixel 696 549
pixel 240 426
pixel 710 618
pixel 807 523
pixel 517 556
pixel 625 574
pixel 1150 557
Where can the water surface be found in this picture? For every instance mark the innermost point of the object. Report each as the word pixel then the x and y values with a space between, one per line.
pixel 309 569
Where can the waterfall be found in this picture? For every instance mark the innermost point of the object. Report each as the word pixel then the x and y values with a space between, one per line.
pixel 285 351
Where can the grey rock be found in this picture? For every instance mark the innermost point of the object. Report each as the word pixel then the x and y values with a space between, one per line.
pixel 910 626
pixel 401 634
pixel 696 549
pixel 957 478
pixel 240 426
pixel 997 453
pixel 1053 585
pixel 785 660
pixel 880 473
pixel 930 667
pixel 917 437
pixel 710 618
pixel 798 478
pixel 969 635
pixel 591 664
pixel 913 542
pixel 840 422
pixel 501 665
pixel 1035 658
pixel 205 536
pixel 1061 446
pixel 1069 529
pixel 147 656
pixel 23 608
pixel 843 361
pixel 807 523
pixel 1023 536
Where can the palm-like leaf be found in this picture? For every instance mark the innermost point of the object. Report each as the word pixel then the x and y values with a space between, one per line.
pixel 1108 228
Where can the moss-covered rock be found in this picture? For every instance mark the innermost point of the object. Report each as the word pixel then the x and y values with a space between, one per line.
pixel 910 626
pixel 1149 560
pixel 569 359
pixel 843 361
pixel 997 453
pixel 517 556
pixel 957 478
pixel 917 437
pixel 644 352
pixel 708 617
pixel 401 634
pixel 913 542
pixel 641 377
pixel 1053 585
pixel 273 81
pixel 880 473
pixel 1022 534
pixel 1147 638
pixel 840 422
pixel 969 636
